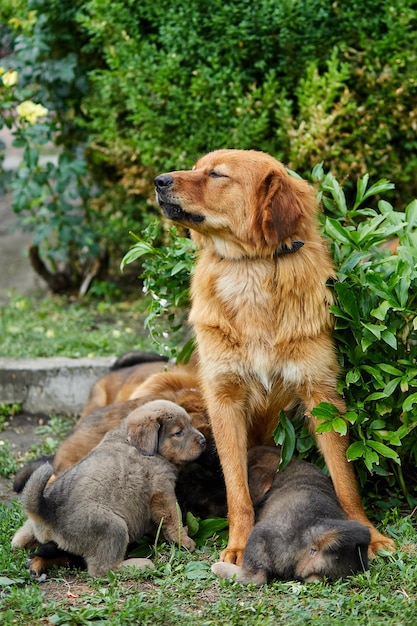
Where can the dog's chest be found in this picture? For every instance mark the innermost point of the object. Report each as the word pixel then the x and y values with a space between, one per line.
pixel 246 290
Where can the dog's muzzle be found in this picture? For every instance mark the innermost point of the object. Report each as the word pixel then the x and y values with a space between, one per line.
pixel 163 190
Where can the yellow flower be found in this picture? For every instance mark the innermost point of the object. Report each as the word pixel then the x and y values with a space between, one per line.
pixel 9 78
pixel 30 111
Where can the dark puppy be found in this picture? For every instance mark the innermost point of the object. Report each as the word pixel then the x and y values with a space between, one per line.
pixel 123 488
pixel 301 531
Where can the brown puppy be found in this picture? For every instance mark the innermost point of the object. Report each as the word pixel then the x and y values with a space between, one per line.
pixel 179 386
pixel 301 532
pixel 127 373
pixel 260 311
pixel 115 494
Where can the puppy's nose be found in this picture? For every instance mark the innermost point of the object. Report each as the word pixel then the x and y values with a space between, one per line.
pixel 202 442
pixel 163 181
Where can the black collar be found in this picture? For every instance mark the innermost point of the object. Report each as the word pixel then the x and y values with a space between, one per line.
pixel 295 246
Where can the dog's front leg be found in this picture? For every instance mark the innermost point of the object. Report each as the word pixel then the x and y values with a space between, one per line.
pixel 229 427
pixel 164 506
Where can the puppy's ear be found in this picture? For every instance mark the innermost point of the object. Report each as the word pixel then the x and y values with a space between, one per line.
pixel 285 202
pixel 143 434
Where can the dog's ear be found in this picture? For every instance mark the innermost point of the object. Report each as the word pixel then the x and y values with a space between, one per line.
pixel 143 434
pixel 285 202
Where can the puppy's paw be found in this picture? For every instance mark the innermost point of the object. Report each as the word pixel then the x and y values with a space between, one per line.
pixel 232 555
pixel 188 543
pixel 24 537
pixel 37 566
pixel 379 542
pixel 137 563
pixel 225 570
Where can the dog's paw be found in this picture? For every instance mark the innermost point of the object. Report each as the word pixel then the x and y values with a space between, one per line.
pixel 37 566
pixel 225 570
pixel 188 543
pixel 137 563
pixel 232 555
pixel 379 542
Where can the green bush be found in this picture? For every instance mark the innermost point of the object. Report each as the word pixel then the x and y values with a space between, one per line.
pixel 134 89
pixel 375 331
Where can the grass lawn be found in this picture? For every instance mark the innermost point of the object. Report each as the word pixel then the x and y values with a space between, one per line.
pixel 61 326
pixel 181 591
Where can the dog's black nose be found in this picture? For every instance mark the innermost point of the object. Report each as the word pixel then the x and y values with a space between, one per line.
pixel 163 181
pixel 202 442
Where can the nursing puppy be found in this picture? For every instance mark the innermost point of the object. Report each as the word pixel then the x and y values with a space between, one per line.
pixel 261 316
pixel 123 489
pixel 301 532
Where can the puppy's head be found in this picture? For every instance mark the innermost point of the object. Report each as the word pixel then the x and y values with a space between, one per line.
pixel 162 427
pixel 333 549
pixel 263 463
pixel 242 202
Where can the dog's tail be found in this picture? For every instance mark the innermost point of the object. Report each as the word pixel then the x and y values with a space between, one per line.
pixel 136 357
pixel 23 475
pixel 239 573
pixel 33 498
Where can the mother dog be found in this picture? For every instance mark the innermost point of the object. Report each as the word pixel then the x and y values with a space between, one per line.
pixel 260 310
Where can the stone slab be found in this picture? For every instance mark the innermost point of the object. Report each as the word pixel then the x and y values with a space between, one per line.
pixel 50 386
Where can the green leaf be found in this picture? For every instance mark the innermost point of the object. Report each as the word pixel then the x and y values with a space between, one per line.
pixel 378 395
pixel 384 450
pixel 138 250
pixel 391 387
pixel 192 524
pixel 381 311
pixel 411 216
pixel 197 570
pixel 284 435
pixel 390 369
pixel 390 339
pixel 356 450
pixel 335 230
pixel 5 581
pixel 410 402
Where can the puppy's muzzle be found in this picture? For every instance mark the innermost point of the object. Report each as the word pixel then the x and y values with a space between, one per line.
pixel 165 196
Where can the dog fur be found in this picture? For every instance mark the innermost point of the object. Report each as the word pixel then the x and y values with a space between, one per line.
pixel 301 532
pixel 261 316
pixel 127 373
pixel 118 492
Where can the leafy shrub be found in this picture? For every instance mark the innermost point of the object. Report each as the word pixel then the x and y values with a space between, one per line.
pixel 134 89
pixel 375 330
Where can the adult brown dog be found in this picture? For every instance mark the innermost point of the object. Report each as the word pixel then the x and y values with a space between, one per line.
pixel 260 311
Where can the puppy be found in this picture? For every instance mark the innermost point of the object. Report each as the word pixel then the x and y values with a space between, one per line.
pixel 126 374
pixel 116 494
pixel 261 316
pixel 301 532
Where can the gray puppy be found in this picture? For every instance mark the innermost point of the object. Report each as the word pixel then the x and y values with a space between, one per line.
pixel 118 492
pixel 301 532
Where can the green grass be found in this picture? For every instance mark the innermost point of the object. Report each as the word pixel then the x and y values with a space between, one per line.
pixel 183 591
pixel 61 326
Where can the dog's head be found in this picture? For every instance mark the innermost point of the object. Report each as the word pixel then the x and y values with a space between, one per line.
pixel 162 427
pixel 242 202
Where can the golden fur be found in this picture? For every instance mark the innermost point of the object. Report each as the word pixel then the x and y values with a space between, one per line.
pixel 179 386
pixel 260 311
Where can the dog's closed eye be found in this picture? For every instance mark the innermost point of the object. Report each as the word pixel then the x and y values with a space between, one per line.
pixel 179 433
pixel 217 174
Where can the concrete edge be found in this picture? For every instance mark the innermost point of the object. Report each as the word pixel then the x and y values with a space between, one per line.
pixel 50 386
